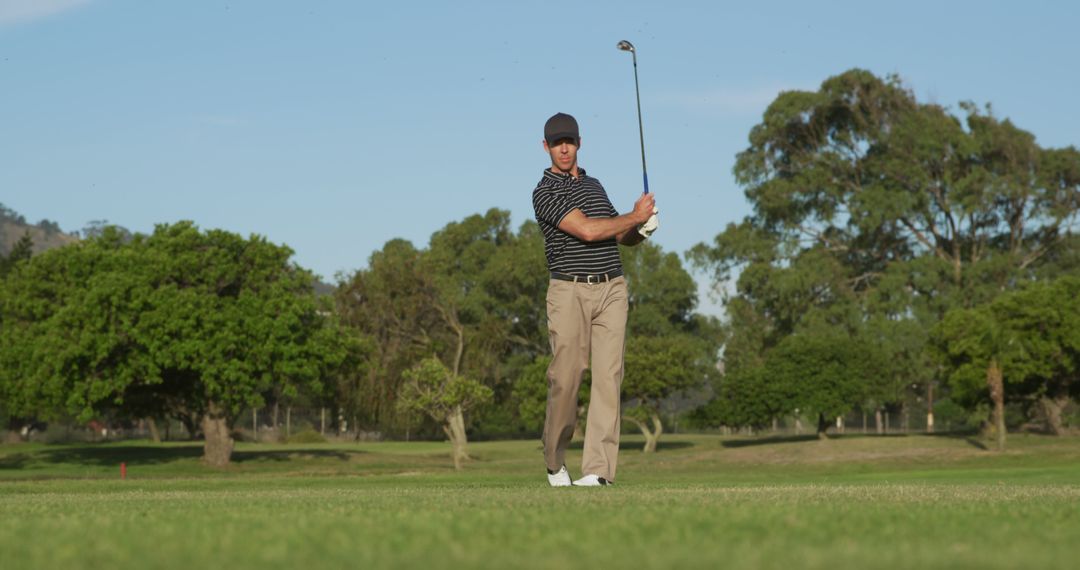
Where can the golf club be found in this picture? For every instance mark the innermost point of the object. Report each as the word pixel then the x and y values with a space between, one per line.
pixel 627 46
pixel 650 226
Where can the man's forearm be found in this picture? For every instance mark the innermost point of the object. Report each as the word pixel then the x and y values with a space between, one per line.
pixel 630 237
pixel 585 228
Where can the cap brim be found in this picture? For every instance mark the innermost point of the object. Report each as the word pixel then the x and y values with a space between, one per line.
pixel 560 136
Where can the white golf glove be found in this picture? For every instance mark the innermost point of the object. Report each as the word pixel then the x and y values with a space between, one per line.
pixel 650 225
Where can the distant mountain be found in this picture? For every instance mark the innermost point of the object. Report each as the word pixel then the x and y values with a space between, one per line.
pixel 45 234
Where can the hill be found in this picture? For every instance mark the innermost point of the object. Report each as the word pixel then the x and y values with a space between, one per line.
pixel 46 234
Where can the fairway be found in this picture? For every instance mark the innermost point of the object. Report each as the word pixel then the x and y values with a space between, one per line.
pixel 701 501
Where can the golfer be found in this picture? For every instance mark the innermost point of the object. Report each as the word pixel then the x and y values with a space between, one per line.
pixel 586 304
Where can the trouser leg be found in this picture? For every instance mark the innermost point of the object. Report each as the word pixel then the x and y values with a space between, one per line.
pixel 608 332
pixel 569 332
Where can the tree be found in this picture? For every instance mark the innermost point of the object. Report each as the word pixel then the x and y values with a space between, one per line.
pixel 21 251
pixel 656 368
pixel 530 394
pixel 1024 344
pixel 389 303
pixel 474 297
pixel 821 371
pixel 433 389
pixel 869 205
pixel 203 320
pixel 669 348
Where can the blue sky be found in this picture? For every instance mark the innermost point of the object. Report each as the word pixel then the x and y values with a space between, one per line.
pixel 336 126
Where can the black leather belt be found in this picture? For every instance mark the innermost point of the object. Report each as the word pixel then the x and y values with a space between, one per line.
pixel 594 278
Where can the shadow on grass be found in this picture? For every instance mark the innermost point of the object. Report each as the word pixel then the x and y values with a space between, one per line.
pixel 631 445
pixel 154 455
pixel 774 439
pixel 288 455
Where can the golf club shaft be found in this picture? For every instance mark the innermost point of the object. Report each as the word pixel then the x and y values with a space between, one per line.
pixel 641 129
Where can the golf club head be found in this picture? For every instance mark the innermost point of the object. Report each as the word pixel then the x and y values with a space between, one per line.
pixel 625 46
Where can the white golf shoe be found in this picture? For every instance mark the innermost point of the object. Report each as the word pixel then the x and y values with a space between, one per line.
pixel 592 481
pixel 560 478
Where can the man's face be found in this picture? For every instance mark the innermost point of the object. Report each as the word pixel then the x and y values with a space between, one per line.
pixel 563 154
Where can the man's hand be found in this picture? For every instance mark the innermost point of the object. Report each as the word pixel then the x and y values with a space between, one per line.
pixel 645 207
pixel 649 226
pixel 645 212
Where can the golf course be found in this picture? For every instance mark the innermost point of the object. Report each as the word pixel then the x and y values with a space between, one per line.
pixel 700 501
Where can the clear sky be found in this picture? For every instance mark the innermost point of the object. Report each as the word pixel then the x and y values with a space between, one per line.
pixel 335 126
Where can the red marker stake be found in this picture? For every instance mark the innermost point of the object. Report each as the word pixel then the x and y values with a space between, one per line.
pixel 123 471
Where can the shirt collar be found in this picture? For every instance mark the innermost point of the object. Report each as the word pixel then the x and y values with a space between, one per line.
pixel 560 177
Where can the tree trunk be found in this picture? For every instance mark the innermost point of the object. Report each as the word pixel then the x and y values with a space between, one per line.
pixel 798 425
pixel 322 421
pixel 154 435
pixel 219 444
pixel 775 426
pixel 14 431
pixel 997 394
pixel 879 425
pixel 255 423
pixel 455 430
pixel 929 407
pixel 864 422
pixel 274 417
pixel 191 425
pixel 840 424
pixel 288 422
pixel 822 426
pixel 1052 408
pixel 652 436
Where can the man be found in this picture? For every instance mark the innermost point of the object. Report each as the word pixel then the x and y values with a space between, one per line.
pixel 586 304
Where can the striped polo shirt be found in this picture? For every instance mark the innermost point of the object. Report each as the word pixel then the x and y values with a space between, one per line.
pixel 555 196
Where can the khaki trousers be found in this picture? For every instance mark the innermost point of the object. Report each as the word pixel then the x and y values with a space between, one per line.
pixel 584 318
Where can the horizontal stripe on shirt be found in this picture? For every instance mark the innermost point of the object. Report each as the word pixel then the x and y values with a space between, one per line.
pixel 555 196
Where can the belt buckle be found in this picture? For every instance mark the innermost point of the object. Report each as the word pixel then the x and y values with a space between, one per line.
pixel 589 279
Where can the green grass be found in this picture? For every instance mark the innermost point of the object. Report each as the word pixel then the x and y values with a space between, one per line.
pixel 701 501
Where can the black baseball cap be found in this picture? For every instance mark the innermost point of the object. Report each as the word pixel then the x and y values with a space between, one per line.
pixel 561 126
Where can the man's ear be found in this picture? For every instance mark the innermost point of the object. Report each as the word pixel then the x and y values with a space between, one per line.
pixel 546 147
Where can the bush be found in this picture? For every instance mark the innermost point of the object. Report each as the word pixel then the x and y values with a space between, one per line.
pixel 307 436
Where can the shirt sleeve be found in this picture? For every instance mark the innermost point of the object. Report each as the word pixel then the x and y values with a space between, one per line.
pixel 550 206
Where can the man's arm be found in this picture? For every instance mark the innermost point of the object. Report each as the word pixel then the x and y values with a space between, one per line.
pixel 630 237
pixel 577 224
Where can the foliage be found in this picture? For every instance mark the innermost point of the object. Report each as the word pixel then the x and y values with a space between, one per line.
pixel 180 322
pixel 431 388
pixel 21 251
pixel 1033 334
pixel 307 436
pixel 531 390
pixel 474 297
pixel 876 214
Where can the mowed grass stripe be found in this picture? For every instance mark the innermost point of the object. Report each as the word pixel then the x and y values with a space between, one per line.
pixel 702 502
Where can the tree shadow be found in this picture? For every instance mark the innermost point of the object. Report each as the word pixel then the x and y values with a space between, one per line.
pixel 976 443
pixel 136 455
pixel 638 445
pixel 770 440
pixel 290 454
pixel 102 456
pixel 14 461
